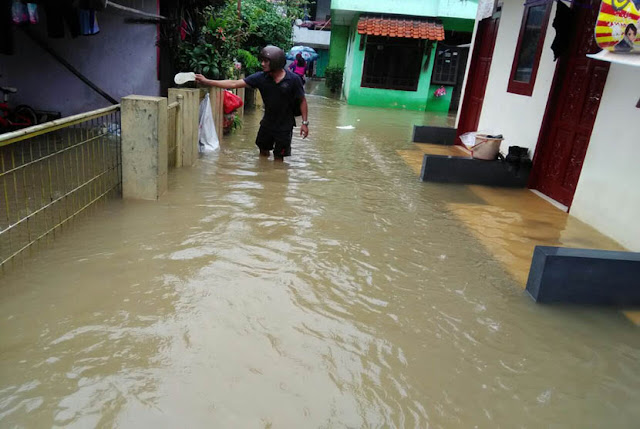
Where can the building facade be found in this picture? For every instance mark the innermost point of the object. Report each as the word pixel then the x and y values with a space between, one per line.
pixel 531 79
pixel 315 32
pixel 398 54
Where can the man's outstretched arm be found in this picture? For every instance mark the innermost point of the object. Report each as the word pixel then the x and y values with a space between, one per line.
pixel 226 84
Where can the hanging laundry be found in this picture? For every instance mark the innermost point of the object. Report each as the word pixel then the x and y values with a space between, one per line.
pixel 22 13
pixel 32 8
pixel 563 23
pixel 19 12
pixel 58 13
pixel 88 22
pixel 440 92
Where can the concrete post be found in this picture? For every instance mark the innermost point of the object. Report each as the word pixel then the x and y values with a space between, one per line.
pixel 240 92
pixel 144 147
pixel 179 131
pixel 216 97
pixel 190 114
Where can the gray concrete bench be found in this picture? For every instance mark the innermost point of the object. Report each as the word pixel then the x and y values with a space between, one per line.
pixel 460 169
pixel 583 276
pixel 434 135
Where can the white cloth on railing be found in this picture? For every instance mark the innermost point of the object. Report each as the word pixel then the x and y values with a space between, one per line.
pixel 207 137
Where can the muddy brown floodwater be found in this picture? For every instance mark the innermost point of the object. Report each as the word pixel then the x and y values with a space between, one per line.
pixel 331 291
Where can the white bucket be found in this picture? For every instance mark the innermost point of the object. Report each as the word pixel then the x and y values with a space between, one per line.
pixel 486 148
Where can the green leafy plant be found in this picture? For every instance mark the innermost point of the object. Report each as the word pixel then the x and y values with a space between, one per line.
pixel 268 24
pixel 250 63
pixel 236 124
pixel 333 76
pixel 212 50
pixel 220 36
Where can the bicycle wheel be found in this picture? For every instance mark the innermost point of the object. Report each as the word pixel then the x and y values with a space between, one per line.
pixel 24 116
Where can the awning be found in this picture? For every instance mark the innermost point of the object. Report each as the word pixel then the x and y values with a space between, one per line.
pixel 427 29
pixel 617 58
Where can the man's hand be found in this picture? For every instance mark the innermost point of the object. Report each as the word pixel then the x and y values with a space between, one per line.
pixel 304 109
pixel 201 79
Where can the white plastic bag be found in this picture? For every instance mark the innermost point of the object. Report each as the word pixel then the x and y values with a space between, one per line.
pixel 207 137
pixel 468 139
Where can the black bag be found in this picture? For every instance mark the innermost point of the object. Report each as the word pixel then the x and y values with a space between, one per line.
pixel 517 158
pixel 518 155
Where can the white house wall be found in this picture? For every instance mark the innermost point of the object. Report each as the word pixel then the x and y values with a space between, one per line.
pixel 518 118
pixel 607 196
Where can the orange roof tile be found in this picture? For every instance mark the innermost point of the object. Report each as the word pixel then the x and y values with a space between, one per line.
pixel 401 27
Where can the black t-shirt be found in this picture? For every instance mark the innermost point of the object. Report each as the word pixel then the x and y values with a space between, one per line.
pixel 279 98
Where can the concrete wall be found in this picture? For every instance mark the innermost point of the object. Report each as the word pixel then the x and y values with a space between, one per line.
pixel 321 62
pixel 517 117
pixel 458 24
pixel 442 8
pixel 312 38
pixel 338 45
pixel 348 68
pixel 607 196
pixel 323 9
pixel 121 60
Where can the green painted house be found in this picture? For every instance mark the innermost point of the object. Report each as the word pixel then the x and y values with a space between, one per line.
pixel 396 54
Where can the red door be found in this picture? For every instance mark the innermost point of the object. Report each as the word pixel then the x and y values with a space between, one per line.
pixel 478 75
pixel 571 112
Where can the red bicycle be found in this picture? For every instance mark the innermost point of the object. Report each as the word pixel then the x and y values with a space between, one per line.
pixel 13 119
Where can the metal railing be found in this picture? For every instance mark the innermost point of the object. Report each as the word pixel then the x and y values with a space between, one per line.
pixel 52 172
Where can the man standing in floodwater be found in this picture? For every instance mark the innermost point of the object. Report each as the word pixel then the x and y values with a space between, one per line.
pixel 282 93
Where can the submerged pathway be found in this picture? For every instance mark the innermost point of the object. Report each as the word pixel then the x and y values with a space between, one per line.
pixel 334 290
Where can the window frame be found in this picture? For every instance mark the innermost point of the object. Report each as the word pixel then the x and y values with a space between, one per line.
pixel 389 42
pixel 526 88
pixel 455 58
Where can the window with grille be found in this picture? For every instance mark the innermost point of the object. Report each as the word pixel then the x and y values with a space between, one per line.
pixel 392 63
pixel 445 66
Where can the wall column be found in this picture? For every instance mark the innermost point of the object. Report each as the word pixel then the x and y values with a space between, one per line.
pixel 144 147
pixel 338 45
pixel 190 113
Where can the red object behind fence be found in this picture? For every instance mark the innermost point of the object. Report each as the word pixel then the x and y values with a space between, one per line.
pixel 231 102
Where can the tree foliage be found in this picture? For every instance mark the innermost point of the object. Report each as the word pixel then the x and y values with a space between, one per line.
pixel 220 37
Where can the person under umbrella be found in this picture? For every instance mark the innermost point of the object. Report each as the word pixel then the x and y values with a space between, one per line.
pixel 299 66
